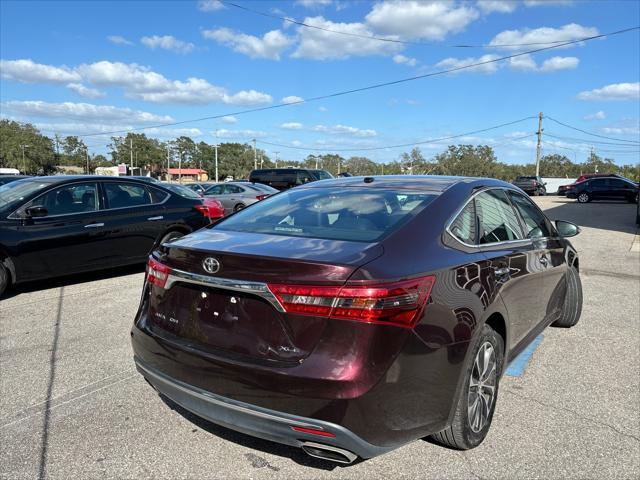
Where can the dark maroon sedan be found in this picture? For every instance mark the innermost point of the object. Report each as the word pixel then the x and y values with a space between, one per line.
pixel 351 316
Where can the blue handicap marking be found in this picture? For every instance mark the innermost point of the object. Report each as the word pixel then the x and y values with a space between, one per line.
pixel 517 366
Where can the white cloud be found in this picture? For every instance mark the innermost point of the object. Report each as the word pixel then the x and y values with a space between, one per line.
pixel 167 42
pixel 402 60
pixel 413 19
pixel 313 3
pixel 599 115
pixel 292 99
pixel 320 45
pixel 345 130
pixel 523 62
pixel 81 111
pixel 296 143
pixel 615 91
pixel 85 91
pixel 209 5
pixel 567 33
pixel 323 109
pixel 119 40
pixel 229 119
pixel 292 126
pixel 27 71
pixel 247 134
pixel 270 46
pixel 554 64
pixel 500 6
pixel 621 130
pixel 451 63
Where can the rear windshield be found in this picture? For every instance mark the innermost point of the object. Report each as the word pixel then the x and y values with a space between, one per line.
pixel 321 174
pixel 352 214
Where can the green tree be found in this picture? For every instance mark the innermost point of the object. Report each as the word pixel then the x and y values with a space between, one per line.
pixel 22 146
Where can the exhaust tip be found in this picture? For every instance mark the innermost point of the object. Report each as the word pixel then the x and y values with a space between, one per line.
pixel 327 452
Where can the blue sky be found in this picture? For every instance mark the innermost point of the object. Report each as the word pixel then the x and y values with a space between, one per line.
pixel 93 67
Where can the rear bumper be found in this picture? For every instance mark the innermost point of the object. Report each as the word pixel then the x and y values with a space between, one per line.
pixel 253 420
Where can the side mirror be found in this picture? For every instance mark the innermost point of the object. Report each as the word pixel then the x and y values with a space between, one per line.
pixel 36 211
pixel 567 229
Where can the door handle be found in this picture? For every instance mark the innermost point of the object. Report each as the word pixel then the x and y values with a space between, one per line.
pixel 502 271
pixel 94 225
pixel 153 219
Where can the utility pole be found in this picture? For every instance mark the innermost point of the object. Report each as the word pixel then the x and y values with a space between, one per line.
pixel 261 160
pixel 86 155
pixel 24 163
pixel 215 146
pixel 255 155
pixel 539 147
pixel 168 162
pixel 131 150
pixel 276 158
pixel 338 164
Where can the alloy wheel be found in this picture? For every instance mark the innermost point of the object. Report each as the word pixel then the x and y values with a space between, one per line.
pixel 482 387
pixel 583 198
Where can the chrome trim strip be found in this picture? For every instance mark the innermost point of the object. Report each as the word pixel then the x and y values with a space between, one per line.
pixel 256 288
pixel 221 401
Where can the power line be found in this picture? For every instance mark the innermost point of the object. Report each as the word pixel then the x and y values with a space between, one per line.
pixel 401 145
pixel 589 142
pixel 591 133
pixel 362 89
pixel 382 39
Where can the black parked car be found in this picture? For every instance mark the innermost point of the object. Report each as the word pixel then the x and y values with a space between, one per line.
pixel 52 226
pixel 532 185
pixel 285 178
pixel 350 316
pixel 609 188
pixel 4 179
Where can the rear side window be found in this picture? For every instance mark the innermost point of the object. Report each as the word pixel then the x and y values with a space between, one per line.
pixel 121 195
pixel 535 223
pixel 352 214
pixel 232 189
pixel 496 218
pixel 464 226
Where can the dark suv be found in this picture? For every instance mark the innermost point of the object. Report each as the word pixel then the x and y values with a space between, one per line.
pixel 607 188
pixel 285 178
pixel 353 315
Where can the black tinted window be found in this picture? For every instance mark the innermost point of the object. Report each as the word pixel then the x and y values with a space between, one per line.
pixel 120 195
pixel 536 225
pixel 76 198
pixel 496 218
pixel 232 189
pixel 357 214
pixel 464 226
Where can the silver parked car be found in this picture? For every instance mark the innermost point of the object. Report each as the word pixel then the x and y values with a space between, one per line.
pixel 235 196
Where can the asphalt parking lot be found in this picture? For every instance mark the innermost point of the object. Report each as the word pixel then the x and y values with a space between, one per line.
pixel 72 405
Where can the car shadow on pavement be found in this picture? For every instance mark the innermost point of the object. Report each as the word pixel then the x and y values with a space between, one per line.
pixel 603 215
pixel 46 420
pixel 74 279
pixel 255 443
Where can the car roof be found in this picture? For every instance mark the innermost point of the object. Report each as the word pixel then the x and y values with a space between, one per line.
pixel 54 179
pixel 437 183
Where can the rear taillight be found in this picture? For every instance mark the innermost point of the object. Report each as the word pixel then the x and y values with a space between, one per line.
pixel 157 273
pixel 261 197
pixel 203 209
pixel 398 303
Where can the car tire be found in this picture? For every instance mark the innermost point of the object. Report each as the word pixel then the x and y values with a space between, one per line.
pixel 5 278
pixel 543 192
pixel 584 197
pixel 169 237
pixel 461 434
pixel 572 308
pixel 239 207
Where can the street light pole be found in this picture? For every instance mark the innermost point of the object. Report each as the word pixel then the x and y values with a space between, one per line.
pixel 216 149
pixel 24 164
pixel 276 158
pixel 86 155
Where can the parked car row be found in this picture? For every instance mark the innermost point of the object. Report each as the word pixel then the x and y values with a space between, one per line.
pixel 562 189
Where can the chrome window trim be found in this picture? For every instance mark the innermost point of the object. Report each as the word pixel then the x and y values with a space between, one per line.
pixel 486 245
pixel 259 289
